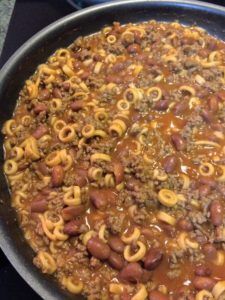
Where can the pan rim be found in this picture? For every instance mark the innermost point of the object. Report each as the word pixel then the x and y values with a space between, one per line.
pixel 5 243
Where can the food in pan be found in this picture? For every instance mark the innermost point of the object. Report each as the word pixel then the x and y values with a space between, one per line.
pixel 115 157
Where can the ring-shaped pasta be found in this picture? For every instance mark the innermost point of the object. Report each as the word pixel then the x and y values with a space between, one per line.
pixel 53 159
pixel 116 288
pixel 164 217
pixel 88 131
pixel 141 293
pixel 26 120
pixel 67 134
pixel 138 255
pixel 55 104
pixel 167 197
pixel 204 294
pixel 80 96
pixel 58 125
pixel 155 93
pixel 59 234
pixel 111 39
pixel 218 289
pixel 52 220
pixel 101 233
pixel 193 102
pixel 100 156
pixel 207 143
pixel 186 181
pixel 95 173
pixel 68 71
pixel 109 180
pixel 123 105
pixel 131 238
pixel 10 167
pixel 72 196
pixel 47 262
pixel 221 178
pixel 220 258
pixel 73 286
pixel 206 169
pixel 87 236
pixel 188 89
pixel 9 127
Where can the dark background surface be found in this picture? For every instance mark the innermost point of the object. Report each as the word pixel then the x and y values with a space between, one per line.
pixel 29 16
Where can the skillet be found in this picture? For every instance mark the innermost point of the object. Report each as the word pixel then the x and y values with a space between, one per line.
pixel 35 51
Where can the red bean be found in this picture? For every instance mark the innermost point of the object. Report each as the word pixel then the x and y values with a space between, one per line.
pixel 81 177
pixel 77 105
pixel 44 94
pixel 213 104
pixel 98 248
pixel 66 86
pixel 40 107
pixel 180 107
pixel 207 115
pixel 131 273
pixel 210 251
pixel 203 283
pixel 100 198
pixel 40 131
pixel 156 295
pixel 57 176
pixel 153 258
pixel 202 270
pixel 146 276
pixel 118 171
pixel 161 105
pixel 114 78
pixel 170 163
pixel 178 142
pixel 116 244
pixel 70 212
pixel 133 48
pixel 207 181
pixel 72 228
pixel 216 213
pixel 116 261
pixel 39 206
pixel 221 95
pixel 43 168
pixel 184 224
pixel 57 93
pixel 204 190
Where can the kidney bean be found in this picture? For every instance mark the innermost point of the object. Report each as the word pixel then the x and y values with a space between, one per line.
pixel 57 176
pixel 73 227
pixel 202 270
pixel 170 163
pixel 98 248
pixel 178 142
pixel 207 115
pixel 213 104
pixel 185 224
pixel 221 95
pixel 180 107
pixel 42 168
pixel 116 244
pixel 40 131
pixel 161 105
pixel 118 171
pixel 133 48
pixel 66 86
pixel 57 93
pixel 216 213
pixel 153 258
pixel 203 283
pixel 40 107
pixel 98 198
pixel 70 212
pixel 204 190
pixel 114 78
pixel 156 295
pixel 210 251
pixel 39 206
pixel 44 94
pixel 207 181
pixel 131 273
pixel 81 177
pixel 116 261
pixel 118 67
pixel 77 105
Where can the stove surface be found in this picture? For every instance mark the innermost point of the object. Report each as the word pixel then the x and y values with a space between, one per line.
pixel 29 16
